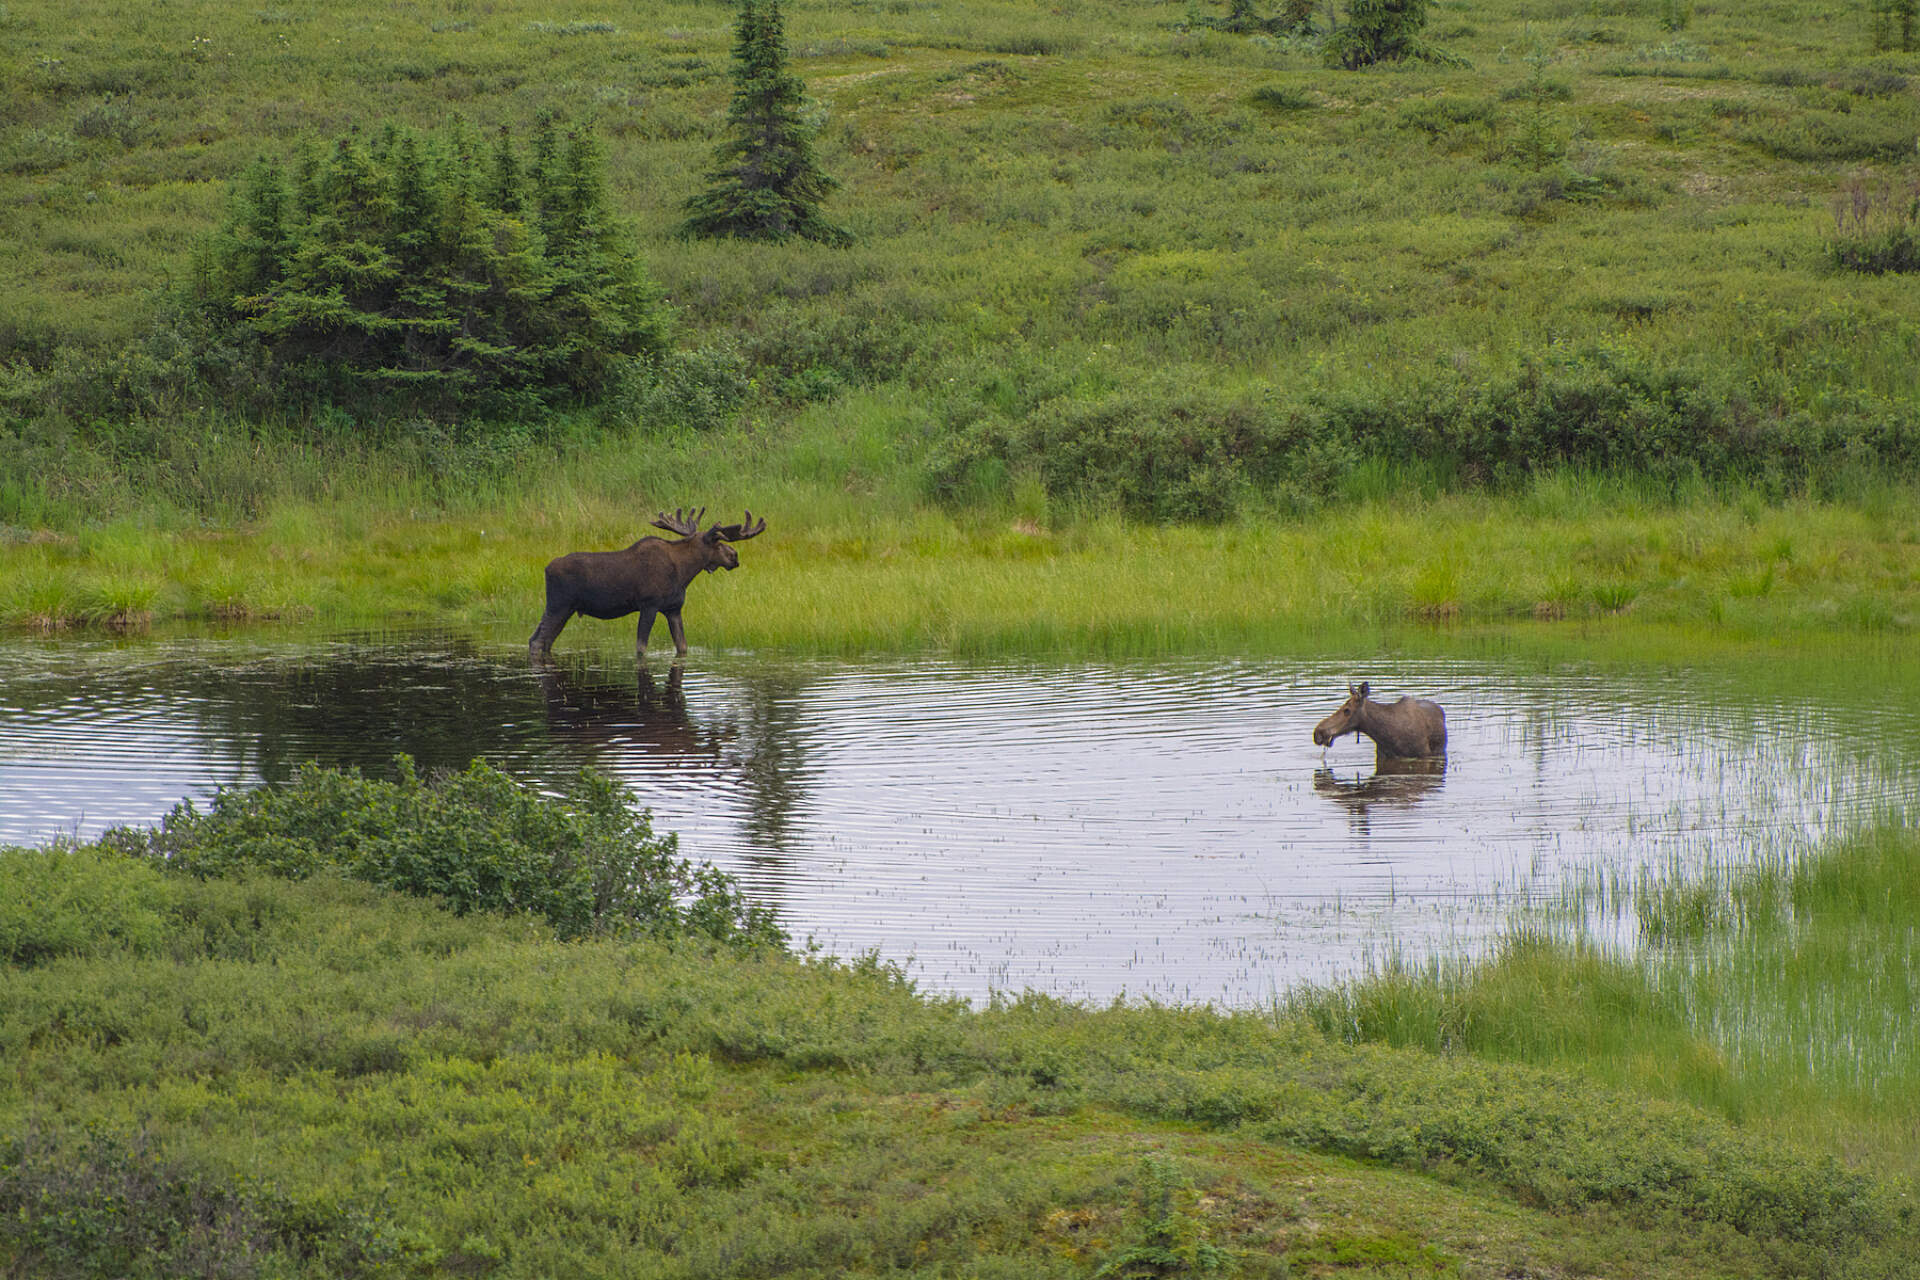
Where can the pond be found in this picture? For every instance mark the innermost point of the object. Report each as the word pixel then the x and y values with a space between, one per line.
pixel 1159 829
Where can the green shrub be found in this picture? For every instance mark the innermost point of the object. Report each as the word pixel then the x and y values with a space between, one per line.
pixel 1165 450
pixel 1382 31
pixel 165 374
pixel 1241 19
pixel 1896 24
pixel 1437 116
pixel 1169 1235
pixel 30 151
pixel 702 389
pixel 1877 226
pixel 72 900
pixel 477 840
pixel 120 120
pixel 1282 98
pixel 1828 136
pixel 1612 410
pixel 795 347
pixel 97 1203
pixel 1168 448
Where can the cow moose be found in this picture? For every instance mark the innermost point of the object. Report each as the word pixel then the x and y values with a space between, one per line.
pixel 649 578
pixel 1409 728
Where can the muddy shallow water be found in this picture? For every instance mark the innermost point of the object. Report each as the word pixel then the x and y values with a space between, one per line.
pixel 1157 829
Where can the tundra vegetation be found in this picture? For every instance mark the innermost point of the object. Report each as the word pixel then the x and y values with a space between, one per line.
pixel 1575 330
pixel 242 1046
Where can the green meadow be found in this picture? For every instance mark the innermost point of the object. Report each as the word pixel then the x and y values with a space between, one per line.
pixel 1552 329
pixel 1151 338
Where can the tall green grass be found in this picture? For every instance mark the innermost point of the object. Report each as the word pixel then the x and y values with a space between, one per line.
pixel 1777 992
pixel 856 560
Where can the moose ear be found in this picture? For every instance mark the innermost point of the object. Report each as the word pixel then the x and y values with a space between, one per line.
pixel 1363 688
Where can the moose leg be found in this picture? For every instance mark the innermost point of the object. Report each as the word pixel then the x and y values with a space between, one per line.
pixel 642 630
pixel 541 642
pixel 678 632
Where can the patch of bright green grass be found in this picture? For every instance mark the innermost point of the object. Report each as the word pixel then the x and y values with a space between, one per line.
pixel 1775 993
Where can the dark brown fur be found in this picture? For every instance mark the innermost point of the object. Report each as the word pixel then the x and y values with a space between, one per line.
pixel 649 578
pixel 1409 728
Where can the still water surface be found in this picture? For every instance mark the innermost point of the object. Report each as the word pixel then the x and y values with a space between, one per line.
pixel 1158 829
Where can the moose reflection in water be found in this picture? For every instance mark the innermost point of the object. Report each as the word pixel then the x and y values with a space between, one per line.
pixel 749 749
pixel 649 578
pixel 1397 782
pixel 1411 728
pixel 642 716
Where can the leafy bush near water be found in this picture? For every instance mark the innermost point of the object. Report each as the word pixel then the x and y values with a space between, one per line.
pixel 477 840
pixel 65 900
pixel 1167 448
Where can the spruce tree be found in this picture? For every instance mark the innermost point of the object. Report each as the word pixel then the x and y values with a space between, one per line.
pixel 1382 31
pixel 766 182
pixel 433 275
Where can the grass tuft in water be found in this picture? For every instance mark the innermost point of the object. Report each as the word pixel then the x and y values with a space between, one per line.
pixel 1777 992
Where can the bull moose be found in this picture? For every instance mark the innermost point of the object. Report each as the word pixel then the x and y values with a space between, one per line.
pixel 1409 728
pixel 649 578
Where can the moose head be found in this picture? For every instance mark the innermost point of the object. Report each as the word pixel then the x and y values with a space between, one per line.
pixel 718 538
pixel 1344 720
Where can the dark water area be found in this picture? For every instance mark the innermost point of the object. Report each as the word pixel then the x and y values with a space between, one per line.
pixel 1159 829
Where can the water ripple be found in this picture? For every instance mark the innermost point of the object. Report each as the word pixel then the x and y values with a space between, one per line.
pixel 1088 829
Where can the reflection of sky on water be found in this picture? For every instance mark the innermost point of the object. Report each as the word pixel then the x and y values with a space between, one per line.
pixel 1154 829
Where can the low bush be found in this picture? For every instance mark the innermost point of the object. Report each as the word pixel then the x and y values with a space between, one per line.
pixel 853 342
pixel 1830 136
pixel 702 389
pixel 73 900
pixel 1617 411
pixel 1876 225
pixel 1167 448
pixel 1896 24
pixel 507 1096
pixel 587 862
pixel 1164 450
pixel 97 1203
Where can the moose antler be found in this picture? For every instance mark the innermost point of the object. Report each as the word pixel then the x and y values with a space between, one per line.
pixel 741 532
pixel 684 525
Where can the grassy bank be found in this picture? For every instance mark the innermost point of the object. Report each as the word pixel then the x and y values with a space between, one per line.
pixel 261 1077
pixel 855 557
pixel 1761 992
